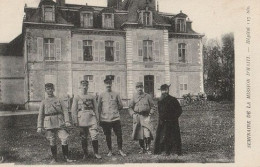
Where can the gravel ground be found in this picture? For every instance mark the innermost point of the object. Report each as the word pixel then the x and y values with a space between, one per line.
pixel 207 137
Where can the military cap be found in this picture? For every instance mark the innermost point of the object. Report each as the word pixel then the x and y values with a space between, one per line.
pixel 109 79
pixel 139 84
pixel 49 85
pixel 84 82
pixel 164 87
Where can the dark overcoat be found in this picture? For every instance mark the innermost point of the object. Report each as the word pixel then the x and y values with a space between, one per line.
pixel 168 138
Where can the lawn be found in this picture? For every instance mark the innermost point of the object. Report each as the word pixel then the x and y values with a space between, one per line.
pixel 207 137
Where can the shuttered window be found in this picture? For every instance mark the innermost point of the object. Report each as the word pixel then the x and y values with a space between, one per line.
pixel 183 85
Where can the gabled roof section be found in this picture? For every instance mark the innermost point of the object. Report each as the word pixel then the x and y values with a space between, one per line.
pixel 86 8
pixel 46 2
pixel 108 10
pixel 181 15
pixel 35 15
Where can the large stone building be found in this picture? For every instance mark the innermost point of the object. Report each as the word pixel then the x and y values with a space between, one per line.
pixel 131 40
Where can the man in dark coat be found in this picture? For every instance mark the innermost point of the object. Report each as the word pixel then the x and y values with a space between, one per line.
pixel 168 138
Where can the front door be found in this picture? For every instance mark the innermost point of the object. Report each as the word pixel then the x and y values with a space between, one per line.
pixel 149 84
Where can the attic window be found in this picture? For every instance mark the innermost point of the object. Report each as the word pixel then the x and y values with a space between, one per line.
pixel 181 26
pixel 146 18
pixel 86 19
pixel 108 20
pixel 48 13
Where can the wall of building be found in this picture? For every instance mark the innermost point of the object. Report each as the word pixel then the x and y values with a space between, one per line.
pixel 11 79
pixel 99 69
pixel 40 71
pixel 192 69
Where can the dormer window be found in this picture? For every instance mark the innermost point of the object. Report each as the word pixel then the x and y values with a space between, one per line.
pixel 181 25
pixel 108 20
pixel 86 19
pixel 48 13
pixel 146 17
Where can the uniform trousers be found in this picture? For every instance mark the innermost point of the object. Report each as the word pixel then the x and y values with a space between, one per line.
pixel 107 128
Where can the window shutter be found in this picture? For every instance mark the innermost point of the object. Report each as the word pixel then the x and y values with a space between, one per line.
pixel 80 51
pixel 58 48
pixel 157 51
pixel 141 79
pixel 188 53
pixel 117 51
pixel 176 55
pixel 102 86
pixel 40 48
pixel 53 14
pixel 118 84
pixel 102 51
pixel 96 83
pixel 91 19
pixel 103 20
pixel 151 18
pixel 96 51
pixel 81 77
pixel 140 51
pixel 142 17
pixel 81 20
pixel 113 23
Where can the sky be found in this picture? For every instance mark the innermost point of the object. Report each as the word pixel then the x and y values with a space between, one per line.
pixel 210 17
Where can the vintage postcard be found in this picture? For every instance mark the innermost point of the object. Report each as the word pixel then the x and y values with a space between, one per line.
pixel 129 82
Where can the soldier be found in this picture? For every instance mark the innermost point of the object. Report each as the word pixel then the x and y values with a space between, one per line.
pixel 85 115
pixel 109 105
pixel 168 137
pixel 53 116
pixel 140 108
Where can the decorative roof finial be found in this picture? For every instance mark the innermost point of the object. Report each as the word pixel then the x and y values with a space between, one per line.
pixel 181 11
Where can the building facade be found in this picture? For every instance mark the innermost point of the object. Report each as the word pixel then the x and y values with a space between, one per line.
pixel 131 40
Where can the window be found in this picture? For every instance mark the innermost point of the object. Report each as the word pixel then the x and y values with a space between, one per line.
pixel 148 50
pixel 183 81
pixel 108 20
pixel 181 25
pixel 87 50
pixel 90 79
pixel 182 52
pixel 109 49
pixel 49 15
pixel 147 18
pixel 86 19
pixel 49 49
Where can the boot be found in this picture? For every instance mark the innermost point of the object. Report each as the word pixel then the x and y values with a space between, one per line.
pixel 95 148
pixel 65 151
pixel 148 145
pixel 84 144
pixel 54 154
pixel 141 143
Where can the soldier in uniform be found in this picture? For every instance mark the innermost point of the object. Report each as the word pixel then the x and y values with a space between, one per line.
pixel 54 117
pixel 85 115
pixel 140 108
pixel 109 105
pixel 168 137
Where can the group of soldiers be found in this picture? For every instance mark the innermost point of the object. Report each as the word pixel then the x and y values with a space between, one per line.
pixel 88 114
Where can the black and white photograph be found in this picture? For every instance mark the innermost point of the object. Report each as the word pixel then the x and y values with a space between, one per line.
pixel 127 82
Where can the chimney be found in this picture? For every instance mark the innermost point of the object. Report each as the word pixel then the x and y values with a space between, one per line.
pixel 60 2
pixel 188 25
pixel 116 4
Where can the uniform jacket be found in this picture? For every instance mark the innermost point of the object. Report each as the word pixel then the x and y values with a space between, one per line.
pixel 53 113
pixel 109 105
pixel 84 110
pixel 140 107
